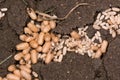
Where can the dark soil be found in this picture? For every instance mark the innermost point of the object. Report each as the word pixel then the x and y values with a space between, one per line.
pixel 73 66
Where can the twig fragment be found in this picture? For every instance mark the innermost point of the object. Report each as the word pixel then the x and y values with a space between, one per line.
pixel 48 17
pixel 80 4
pixel 5 59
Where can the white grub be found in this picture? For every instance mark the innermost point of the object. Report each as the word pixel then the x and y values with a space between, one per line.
pixel 27 57
pixel 105 27
pixel 26 75
pixel 32 21
pixel 49 57
pixel 116 18
pixel 59 53
pixel 55 59
pixel 29 38
pixel 104 13
pixel 118 31
pixel 41 38
pixel 104 46
pixel 93 39
pixel 2 14
pixel 54 38
pixel 109 22
pixel 22 37
pixel 60 58
pixel 102 17
pixel 46 28
pixel 110 31
pixel 17 72
pixel 115 27
pixel 39 49
pixel 26 51
pixel 98 33
pixel 112 13
pixel 31 13
pixel 81 32
pixel 34 74
pixel 103 24
pixel 47 37
pixel 96 36
pixel 33 44
pixel 85 28
pixel 11 68
pixel 45 22
pixel 95 23
pixel 32 27
pixel 38 25
pixel 98 16
pixel 90 52
pixel 98 22
pixel 27 30
pixel 11 76
pixel 25 68
pixel 87 37
pixel 62 42
pixel 18 56
pixel 112 18
pixel 46 47
pixel 80 51
pixel 22 62
pixel 64 50
pixel 34 56
pixel 116 9
pixel 52 24
pixel 75 35
pixel 96 27
pixel 113 34
pixel 100 39
pixel 35 36
pixel 22 46
pixel 3 9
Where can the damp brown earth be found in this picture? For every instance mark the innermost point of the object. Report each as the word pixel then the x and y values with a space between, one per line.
pixel 73 66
